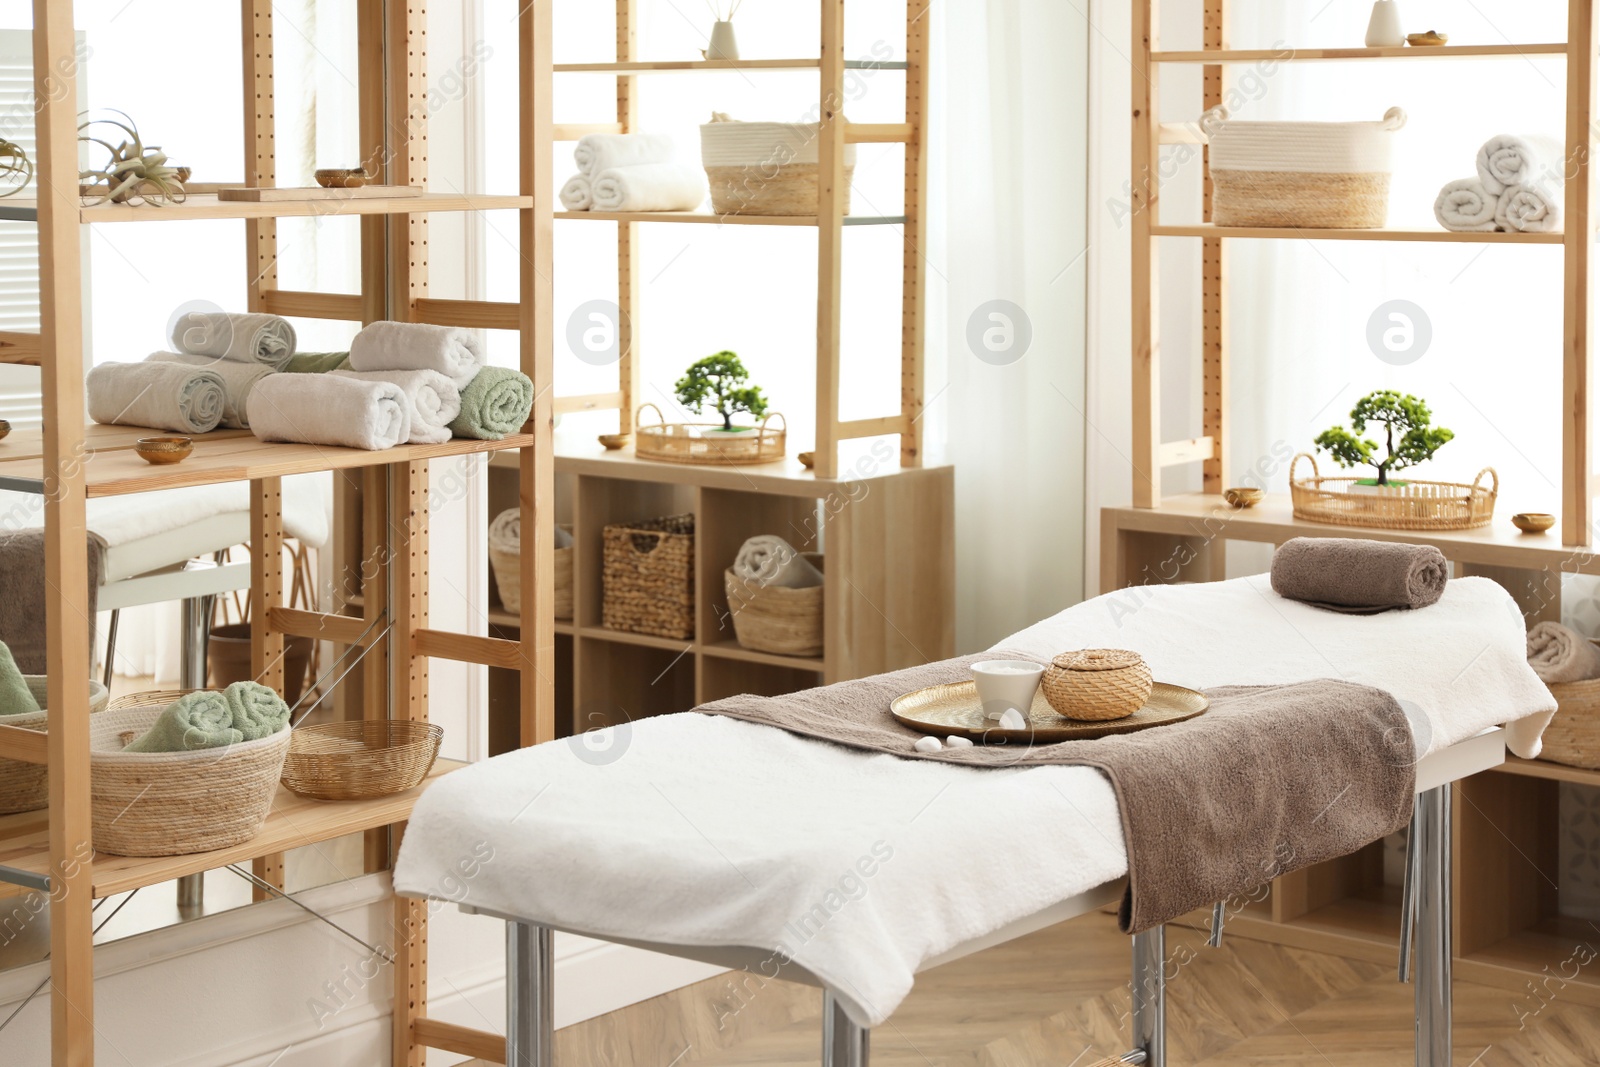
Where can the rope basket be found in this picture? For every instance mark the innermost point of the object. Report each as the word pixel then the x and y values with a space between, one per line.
pixel 176 803
pixel 766 168
pixel 505 561
pixel 26 786
pixel 690 442
pixel 360 760
pixel 1304 175
pixel 1573 736
pixel 775 618
pixel 1417 505
pixel 648 576
pixel 1097 684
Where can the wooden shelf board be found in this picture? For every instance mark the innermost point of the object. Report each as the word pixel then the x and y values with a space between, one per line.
pixel 1545 949
pixel 511 621
pixel 1202 229
pixel 294 822
pixel 230 457
pixel 654 66
pixel 621 637
pixel 207 206
pixel 707 217
pixel 29 444
pixel 1272 521
pixel 1449 51
pixel 731 649
pixel 1556 772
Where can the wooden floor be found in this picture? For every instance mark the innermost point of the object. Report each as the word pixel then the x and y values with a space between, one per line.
pixel 1060 999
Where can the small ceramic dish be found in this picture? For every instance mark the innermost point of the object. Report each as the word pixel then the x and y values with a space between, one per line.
pixel 1243 496
pixel 341 177
pixel 5 429
pixel 807 460
pixel 1426 40
pixel 1533 521
pixel 164 450
pixel 614 441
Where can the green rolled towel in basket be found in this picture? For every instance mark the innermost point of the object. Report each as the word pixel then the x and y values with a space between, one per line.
pixel 15 696
pixel 202 719
pixel 257 711
pixel 493 404
pixel 317 362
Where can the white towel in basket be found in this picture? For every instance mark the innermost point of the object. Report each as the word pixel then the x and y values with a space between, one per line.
pixel 1465 206
pixel 770 560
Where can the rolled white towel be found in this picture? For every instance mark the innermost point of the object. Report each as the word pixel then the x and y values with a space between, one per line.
pixel 1507 159
pixel 1529 209
pixel 325 409
pixel 1465 206
pixel 244 337
pixel 452 352
pixel 505 532
pixel 600 152
pixel 237 379
pixel 434 400
pixel 577 194
pixel 770 560
pixel 1558 654
pixel 650 187
pixel 163 396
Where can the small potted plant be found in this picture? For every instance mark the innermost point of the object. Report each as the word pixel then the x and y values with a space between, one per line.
pixel 1409 438
pixel 717 383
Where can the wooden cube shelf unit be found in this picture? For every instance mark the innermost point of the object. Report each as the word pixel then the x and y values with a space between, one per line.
pixel 889 581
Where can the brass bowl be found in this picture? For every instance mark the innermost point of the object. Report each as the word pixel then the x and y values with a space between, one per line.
pixel 341 177
pixel 1427 40
pixel 1533 521
pixel 1243 496
pixel 615 441
pixel 5 429
pixel 164 450
pixel 807 460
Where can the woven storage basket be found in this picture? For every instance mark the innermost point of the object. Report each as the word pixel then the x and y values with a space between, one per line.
pixel 1414 506
pixel 26 786
pixel 766 168
pixel 774 618
pixel 1097 684
pixel 649 577
pixel 1306 175
pixel 176 803
pixel 360 760
pixel 692 442
pixel 1573 736
pixel 505 560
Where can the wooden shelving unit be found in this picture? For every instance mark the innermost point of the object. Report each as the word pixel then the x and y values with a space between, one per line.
pixel 1507 927
pixel 384 512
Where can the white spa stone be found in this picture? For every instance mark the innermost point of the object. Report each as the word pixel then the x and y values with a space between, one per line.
pixel 953 741
pixel 1013 720
pixel 928 744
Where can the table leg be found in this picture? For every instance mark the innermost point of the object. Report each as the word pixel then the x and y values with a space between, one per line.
pixel 1150 997
pixel 1431 827
pixel 530 995
pixel 844 1044
pixel 194 631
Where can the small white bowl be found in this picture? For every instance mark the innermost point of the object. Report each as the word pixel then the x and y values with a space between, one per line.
pixel 1006 683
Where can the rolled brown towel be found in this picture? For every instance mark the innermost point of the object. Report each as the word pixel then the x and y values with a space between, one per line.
pixel 1359 577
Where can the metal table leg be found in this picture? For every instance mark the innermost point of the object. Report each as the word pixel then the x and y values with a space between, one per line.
pixel 1149 999
pixel 530 995
pixel 195 630
pixel 844 1044
pixel 1430 826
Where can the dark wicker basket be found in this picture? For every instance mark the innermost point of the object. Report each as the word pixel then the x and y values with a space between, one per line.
pixel 649 577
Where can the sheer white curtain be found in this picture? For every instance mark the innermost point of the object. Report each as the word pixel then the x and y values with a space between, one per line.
pixel 1006 285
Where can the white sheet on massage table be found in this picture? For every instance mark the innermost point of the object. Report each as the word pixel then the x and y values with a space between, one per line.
pixel 697 830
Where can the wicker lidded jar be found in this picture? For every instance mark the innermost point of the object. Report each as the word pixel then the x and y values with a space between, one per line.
pixel 1097 684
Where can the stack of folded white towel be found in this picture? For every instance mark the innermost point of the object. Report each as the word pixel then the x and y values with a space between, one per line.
pixel 631 172
pixel 1518 189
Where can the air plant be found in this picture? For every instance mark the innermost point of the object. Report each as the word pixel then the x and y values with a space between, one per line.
pixel 15 166
pixel 133 172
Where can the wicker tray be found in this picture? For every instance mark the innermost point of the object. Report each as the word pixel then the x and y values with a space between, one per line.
pixel 176 803
pixel 1415 506
pixel 26 786
pixel 683 442
pixel 953 708
pixel 360 760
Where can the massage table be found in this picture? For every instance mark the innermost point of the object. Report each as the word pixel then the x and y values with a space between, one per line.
pixel 643 834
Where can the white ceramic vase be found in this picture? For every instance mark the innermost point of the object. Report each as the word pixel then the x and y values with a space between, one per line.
pixel 723 44
pixel 1383 29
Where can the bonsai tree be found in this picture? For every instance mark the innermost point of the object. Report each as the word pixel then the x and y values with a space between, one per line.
pixel 1408 434
pixel 718 383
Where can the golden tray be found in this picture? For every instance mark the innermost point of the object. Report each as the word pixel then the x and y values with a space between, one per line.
pixel 953 708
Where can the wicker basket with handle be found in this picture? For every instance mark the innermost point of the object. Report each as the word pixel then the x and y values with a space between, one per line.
pixel 26 786
pixel 1097 684
pixel 1305 175
pixel 360 760
pixel 176 803
pixel 1416 505
pixel 766 168
pixel 648 576
pixel 775 618
pixel 698 442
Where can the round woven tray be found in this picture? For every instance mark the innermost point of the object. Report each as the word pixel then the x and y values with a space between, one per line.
pixel 360 760
pixel 176 803
pixel 1417 505
pixel 26 786
pixel 686 442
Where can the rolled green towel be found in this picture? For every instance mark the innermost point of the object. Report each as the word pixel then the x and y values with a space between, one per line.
pixel 317 362
pixel 195 720
pixel 493 404
pixel 15 696
pixel 257 711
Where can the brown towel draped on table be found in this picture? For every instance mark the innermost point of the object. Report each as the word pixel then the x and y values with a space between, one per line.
pixel 1270 779
pixel 24 593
